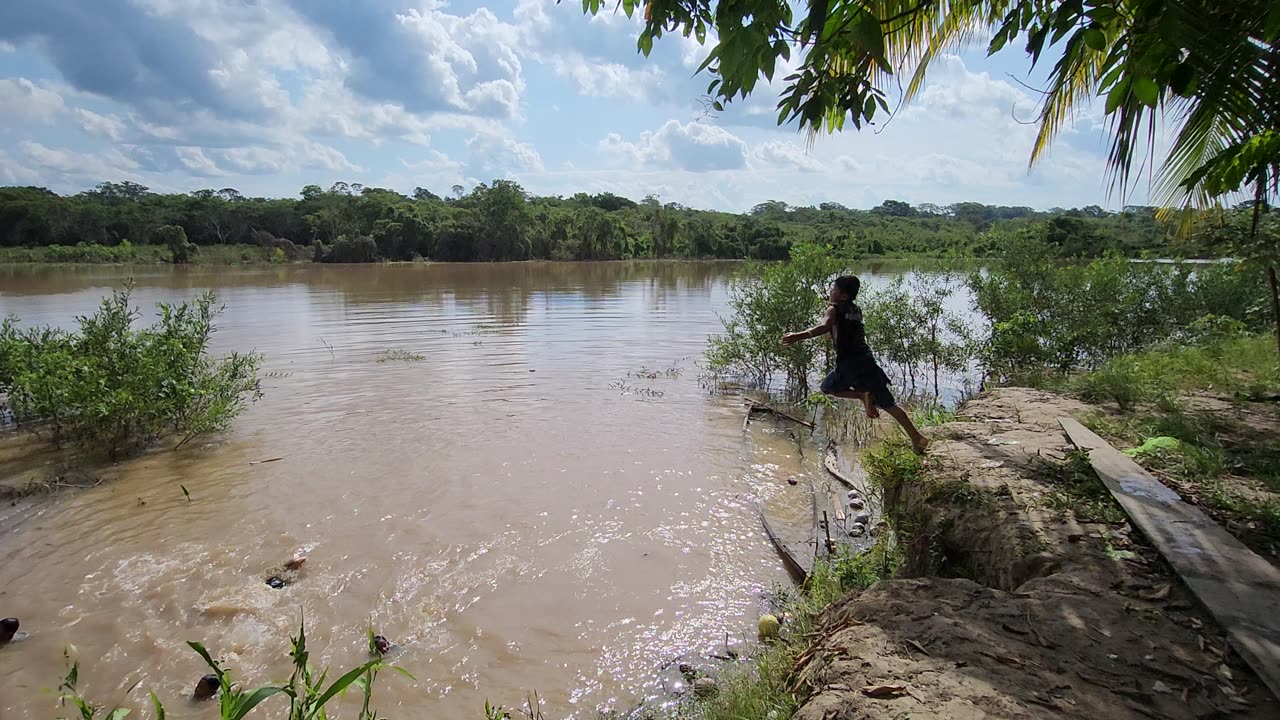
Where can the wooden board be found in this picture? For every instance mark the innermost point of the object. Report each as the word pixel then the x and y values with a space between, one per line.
pixel 1239 588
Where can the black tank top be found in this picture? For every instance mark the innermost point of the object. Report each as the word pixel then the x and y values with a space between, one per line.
pixel 850 333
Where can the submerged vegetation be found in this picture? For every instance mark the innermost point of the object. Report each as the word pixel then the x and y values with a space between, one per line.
pixel 112 388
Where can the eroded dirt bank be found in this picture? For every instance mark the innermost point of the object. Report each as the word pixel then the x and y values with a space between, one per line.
pixel 1023 607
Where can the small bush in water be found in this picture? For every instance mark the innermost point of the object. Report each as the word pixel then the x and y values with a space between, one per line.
pixel 112 388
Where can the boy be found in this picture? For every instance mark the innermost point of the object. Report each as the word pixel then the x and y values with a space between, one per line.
pixel 856 375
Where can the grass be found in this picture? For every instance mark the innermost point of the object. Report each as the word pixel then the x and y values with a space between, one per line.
pixel 1076 488
pixel 1210 463
pixel 760 689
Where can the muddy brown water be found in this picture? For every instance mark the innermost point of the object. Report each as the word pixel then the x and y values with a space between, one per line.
pixel 517 510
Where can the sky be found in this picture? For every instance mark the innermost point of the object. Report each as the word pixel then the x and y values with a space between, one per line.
pixel 267 96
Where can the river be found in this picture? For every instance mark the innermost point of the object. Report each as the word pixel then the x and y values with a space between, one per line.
pixel 517 510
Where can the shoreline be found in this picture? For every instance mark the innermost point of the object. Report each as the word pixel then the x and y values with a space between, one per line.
pixel 1011 603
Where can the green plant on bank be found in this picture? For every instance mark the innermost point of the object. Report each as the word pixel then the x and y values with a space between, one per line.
pixel 913 332
pixel 767 301
pixel 1201 458
pixel 1076 488
pixel 910 327
pixel 113 388
pixel 1044 316
pixel 309 697
pixel 761 688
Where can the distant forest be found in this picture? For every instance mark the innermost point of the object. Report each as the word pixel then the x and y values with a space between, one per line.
pixel 500 221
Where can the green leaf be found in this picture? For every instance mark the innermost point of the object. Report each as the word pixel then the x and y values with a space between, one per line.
pixel 208 659
pixel 1094 38
pixel 1145 89
pixel 155 702
pixel 1118 94
pixel 341 683
pixel 253 699
pixel 118 714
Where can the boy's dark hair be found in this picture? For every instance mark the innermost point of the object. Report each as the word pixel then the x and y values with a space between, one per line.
pixel 848 285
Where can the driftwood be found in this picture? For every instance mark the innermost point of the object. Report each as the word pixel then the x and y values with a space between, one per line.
pixel 761 407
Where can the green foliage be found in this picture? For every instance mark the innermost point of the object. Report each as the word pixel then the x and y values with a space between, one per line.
pixel 501 221
pixel 174 238
pixel 766 302
pixel 113 388
pixel 1046 315
pixel 1122 381
pixel 914 332
pixel 1214 63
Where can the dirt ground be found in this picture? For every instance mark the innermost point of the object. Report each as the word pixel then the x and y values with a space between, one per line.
pixel 1041 616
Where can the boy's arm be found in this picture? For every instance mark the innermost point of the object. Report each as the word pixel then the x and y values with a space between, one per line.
pixel 822 328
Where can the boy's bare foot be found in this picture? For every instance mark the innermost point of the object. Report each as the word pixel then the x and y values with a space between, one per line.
pixel 872 412
pixel 920 445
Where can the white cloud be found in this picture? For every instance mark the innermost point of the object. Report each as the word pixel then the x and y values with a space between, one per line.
pixel 611 79
pixel 28 101
pixel 107 126
pixel 492 151
pixel 195 161
pixel 694 146
pixel 111 164
pixel 254 160
pixel 323 156
pixel 785 154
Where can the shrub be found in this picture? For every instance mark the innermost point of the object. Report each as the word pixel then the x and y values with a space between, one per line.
pixel 1122 380
pixel 175 238
pixel 1046 315
pixel 109 387
pixel 359 249
pixel 768 301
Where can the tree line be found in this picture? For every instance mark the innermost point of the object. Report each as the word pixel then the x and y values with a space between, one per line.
pixel 500 221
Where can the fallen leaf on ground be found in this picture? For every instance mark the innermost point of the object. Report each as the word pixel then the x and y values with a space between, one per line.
pixel 1002 441
pixel 1160 688
pixel 1159 593
pixel 1224 672
pixel 1012 629
pixel 918 646
pixel 261 462
pixel 991 464
pixel 884 691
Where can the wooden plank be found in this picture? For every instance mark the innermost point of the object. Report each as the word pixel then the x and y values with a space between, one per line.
pixel 1240 589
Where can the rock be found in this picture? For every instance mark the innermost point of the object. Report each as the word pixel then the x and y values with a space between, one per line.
pixel 857 530
pixel 792 480
pixel 768 627
pixel 8 628
pixel 704 687
pixel 295 563
pixel 206 688
pixel 862 519
pixel 275 582
pixel 857 504
pixel 689 672
pixel 381 645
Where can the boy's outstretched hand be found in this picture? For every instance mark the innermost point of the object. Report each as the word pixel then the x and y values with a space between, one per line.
pixel 792 338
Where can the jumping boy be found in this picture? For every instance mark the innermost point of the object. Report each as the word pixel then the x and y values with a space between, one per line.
pixel 856 375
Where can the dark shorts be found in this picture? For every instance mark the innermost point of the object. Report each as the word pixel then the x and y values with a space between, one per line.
pixel 861 375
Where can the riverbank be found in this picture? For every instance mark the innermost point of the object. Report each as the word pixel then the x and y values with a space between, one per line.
pixel 128 254
pixel 1023 590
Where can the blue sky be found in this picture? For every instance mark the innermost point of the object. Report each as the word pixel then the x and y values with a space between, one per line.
pixel 269 95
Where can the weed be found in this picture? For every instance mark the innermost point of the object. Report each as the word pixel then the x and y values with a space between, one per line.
pixel 400 355
pixel 1074 487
